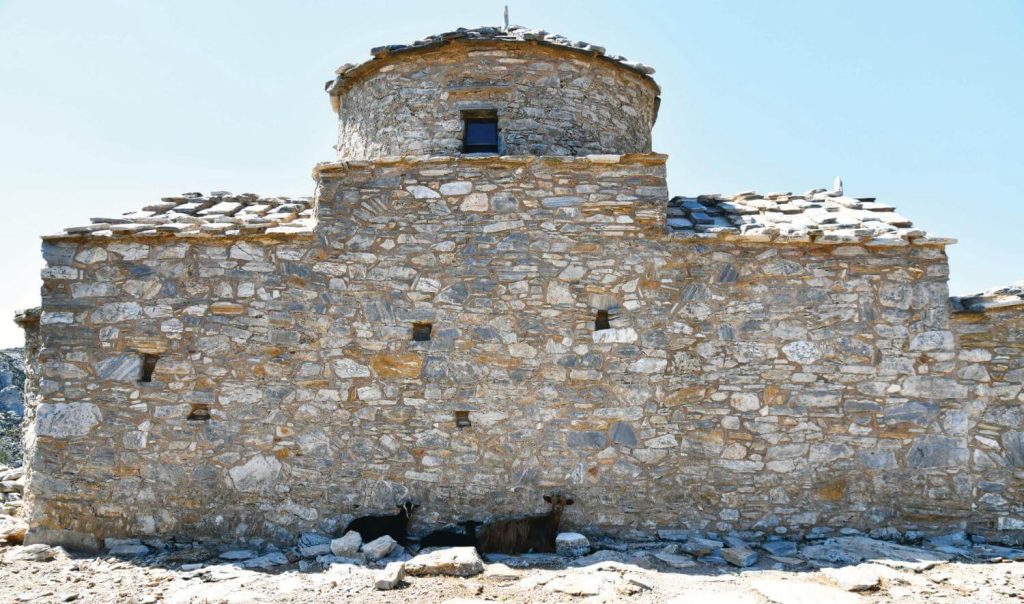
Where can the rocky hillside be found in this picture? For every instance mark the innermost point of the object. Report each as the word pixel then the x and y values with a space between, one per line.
pixel 12 382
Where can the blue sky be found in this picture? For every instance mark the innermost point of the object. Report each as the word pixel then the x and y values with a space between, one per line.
pixel 106 105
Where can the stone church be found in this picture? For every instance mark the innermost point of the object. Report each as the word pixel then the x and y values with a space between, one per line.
pixel 492 296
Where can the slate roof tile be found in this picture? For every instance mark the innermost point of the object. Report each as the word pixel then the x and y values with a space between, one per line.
pixel 818 216
pixel 194 215
pixel 1000 297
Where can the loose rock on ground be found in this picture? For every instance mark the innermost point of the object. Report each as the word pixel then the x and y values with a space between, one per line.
pixel 848 569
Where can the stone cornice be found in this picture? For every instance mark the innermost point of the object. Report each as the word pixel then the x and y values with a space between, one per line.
pixel 511 161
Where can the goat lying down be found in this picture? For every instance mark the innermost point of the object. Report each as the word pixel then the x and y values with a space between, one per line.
pixel 521 535
pixel 395 525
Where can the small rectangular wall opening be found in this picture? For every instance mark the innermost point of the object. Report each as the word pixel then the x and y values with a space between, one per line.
pixel 148 367
pixel 200 413
pixel 480 131
pixel 421 331
pixel 602 321
pixel 462 419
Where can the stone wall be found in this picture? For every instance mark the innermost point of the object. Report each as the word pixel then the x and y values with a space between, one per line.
pixel 548 102
pixel 992 356
pixel 740 385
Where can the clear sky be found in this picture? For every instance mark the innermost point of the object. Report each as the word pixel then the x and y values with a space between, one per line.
pixel 106 105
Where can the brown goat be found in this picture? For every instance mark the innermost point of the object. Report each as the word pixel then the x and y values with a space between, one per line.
pixel 520 535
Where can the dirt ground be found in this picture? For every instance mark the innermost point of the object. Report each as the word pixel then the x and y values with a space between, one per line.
pixel 608 577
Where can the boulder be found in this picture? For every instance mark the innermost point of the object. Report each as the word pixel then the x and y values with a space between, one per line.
pixel 346 546
pixel 450 561
pixel 851 550
pixel 327 560
pixel 379 547
pixel 237 554
pixel 266 561
pixel 674 534
pixel 779 548
pixel 675 560
pixel 734 541
pixel 16 474
pixel 698 546
pixel 39 552
pixel 388 578
pixel 740 556
pixel 572 545
pixel 312 545
pixel 12 530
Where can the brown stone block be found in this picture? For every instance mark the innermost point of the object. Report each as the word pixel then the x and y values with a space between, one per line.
pixel 313 384
pixel 126 471
pixel 895 435
pixel 833 491
pixel 463 345
pixel 407 365
pixel 226 308
pixel 775 396
pixel 714 437
pixel 205 383
pixel 898 431
pixel 686 396
pixel 143 343
pixel 503 361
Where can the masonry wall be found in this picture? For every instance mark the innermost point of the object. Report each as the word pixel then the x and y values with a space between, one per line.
pixel 548 102
pixel 740 386
pixel 992 356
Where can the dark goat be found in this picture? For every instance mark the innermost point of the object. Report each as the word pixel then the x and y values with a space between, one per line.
pixel 520 535
pixel 396 525
pixel 451 537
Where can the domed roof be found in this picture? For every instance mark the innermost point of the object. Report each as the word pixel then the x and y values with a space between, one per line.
pixel 514 33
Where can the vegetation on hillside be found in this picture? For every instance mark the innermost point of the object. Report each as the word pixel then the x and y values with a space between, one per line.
pixel 10 439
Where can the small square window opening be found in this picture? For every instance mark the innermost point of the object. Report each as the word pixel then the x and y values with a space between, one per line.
pixel 421 331
pixel 480 134
pixel 462 419
pixel 601 321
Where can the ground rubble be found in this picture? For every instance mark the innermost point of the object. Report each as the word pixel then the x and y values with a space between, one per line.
pixel 679 566
pixel 12 488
